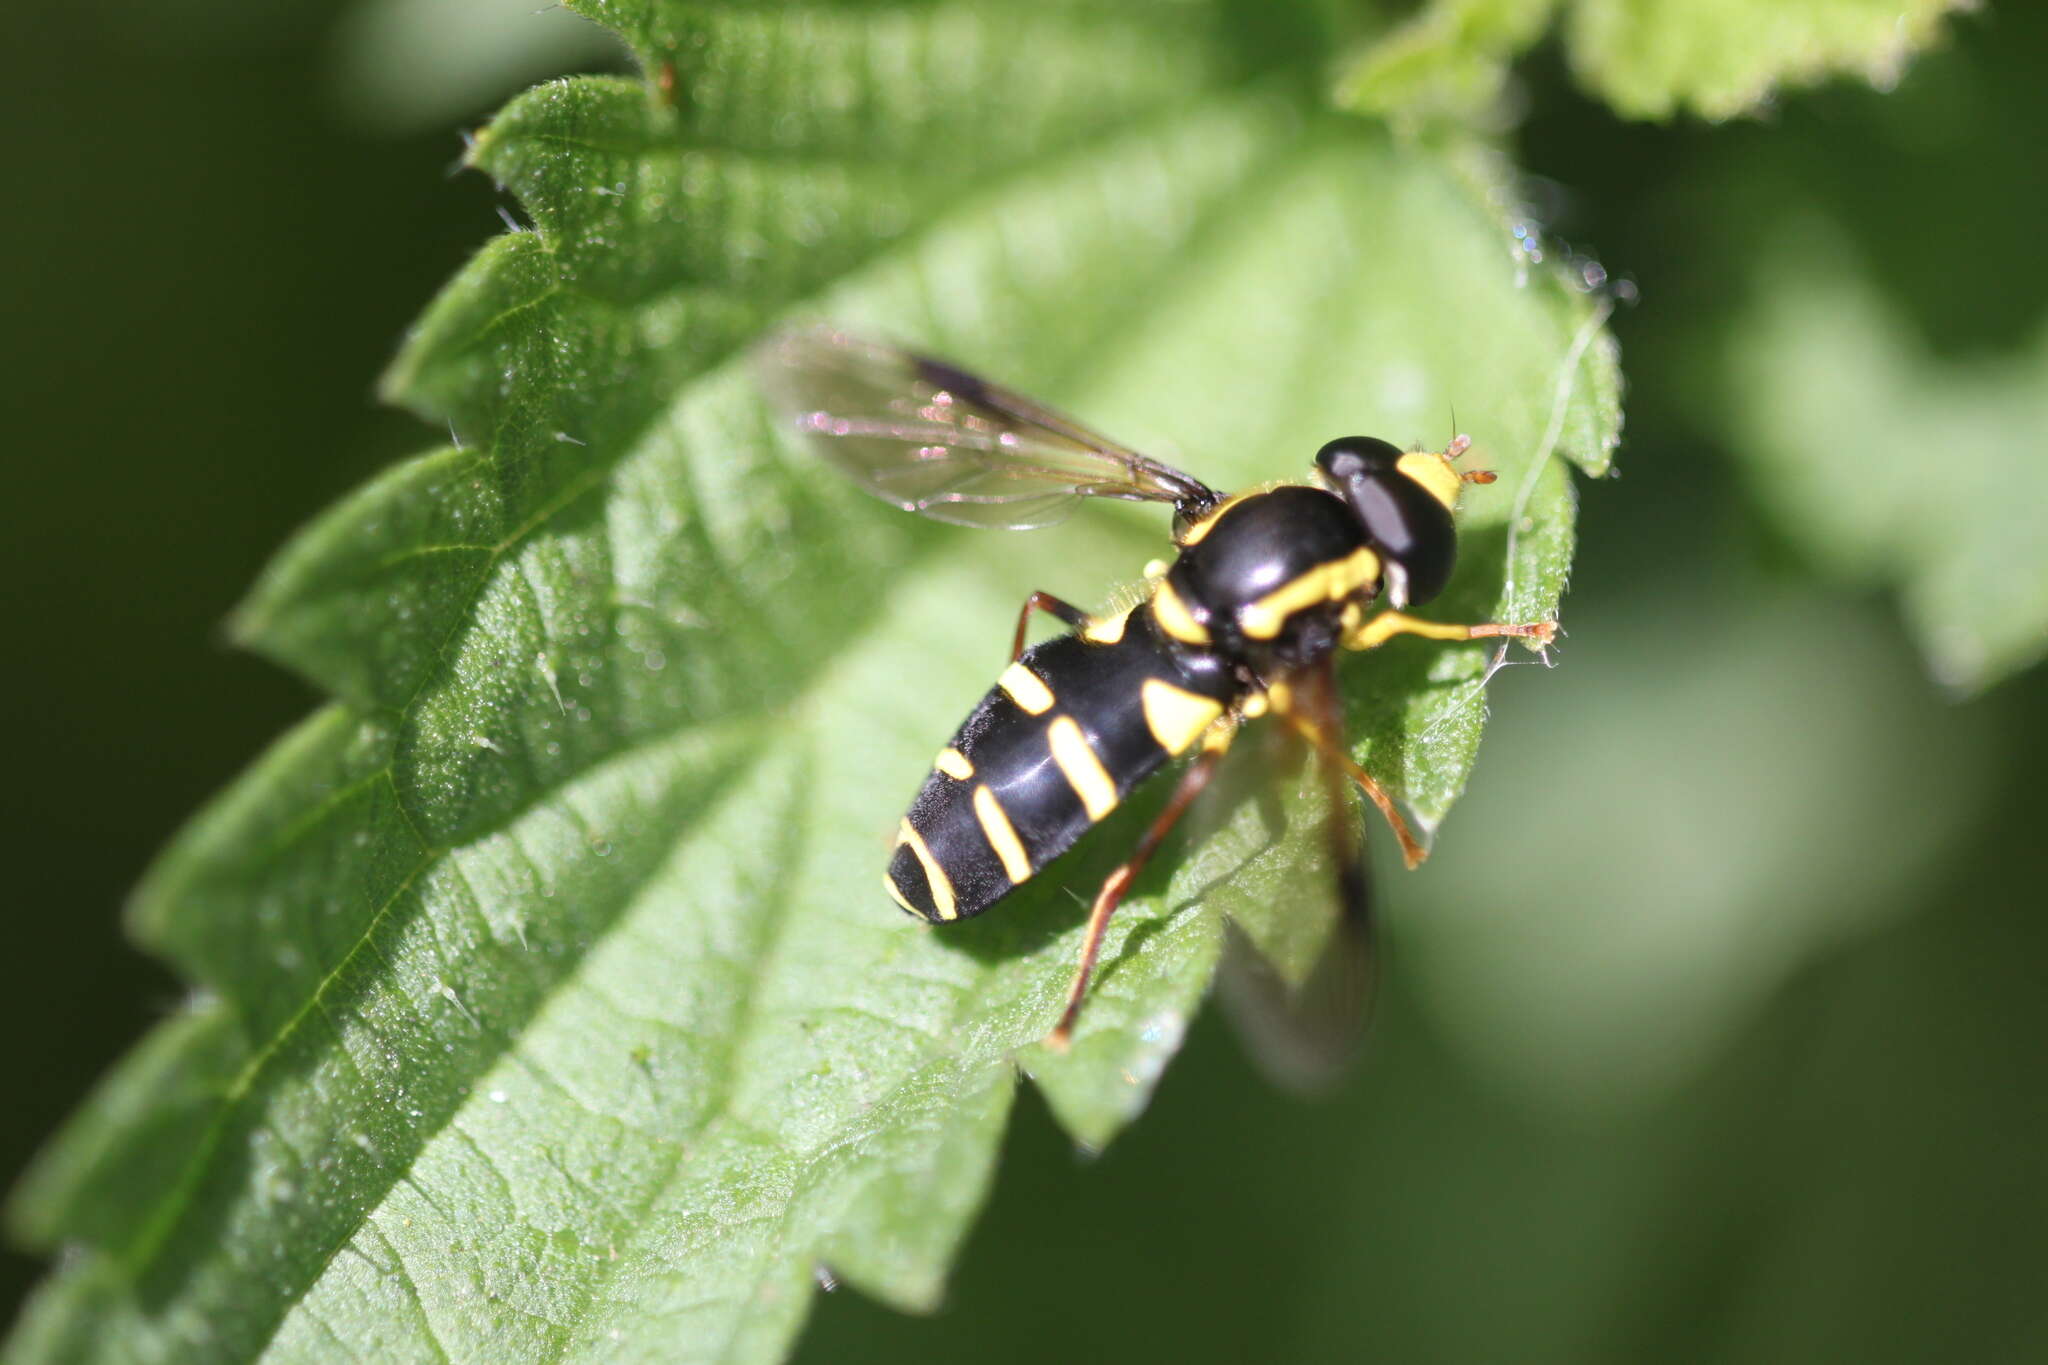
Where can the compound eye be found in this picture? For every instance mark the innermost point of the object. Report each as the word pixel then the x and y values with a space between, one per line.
pixel 1406 525
pixel 1409 528
pixel 1349 457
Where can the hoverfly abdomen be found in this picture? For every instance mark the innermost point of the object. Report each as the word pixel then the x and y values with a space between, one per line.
pixel 1063 736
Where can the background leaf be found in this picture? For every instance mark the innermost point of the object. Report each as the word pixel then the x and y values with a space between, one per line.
pixel 1647 58
pixel 538 1017
pixel 1890 467
pixel 1447 60
pixel 1651 60
pixel 408 65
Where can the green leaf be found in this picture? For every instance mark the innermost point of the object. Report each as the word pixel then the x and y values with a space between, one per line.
pixel 1450 59
pixel 406 66
pixel 1646 58
pixel 546 1003
pixel 1653 58
pixel 1890 466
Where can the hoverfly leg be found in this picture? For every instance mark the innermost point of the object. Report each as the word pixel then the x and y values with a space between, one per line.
pixel 1331 747
pixel 1073 616
pixel 1118 882
pixel 1304 1031
pixel 1385 626
pixel 1346 853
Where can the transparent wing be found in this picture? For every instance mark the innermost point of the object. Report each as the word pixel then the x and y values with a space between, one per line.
pixel 1300 992
pixel 934 439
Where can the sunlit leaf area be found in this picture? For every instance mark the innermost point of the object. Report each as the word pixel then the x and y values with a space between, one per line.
pixel 460 734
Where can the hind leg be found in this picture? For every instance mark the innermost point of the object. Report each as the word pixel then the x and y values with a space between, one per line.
pixel 1073 616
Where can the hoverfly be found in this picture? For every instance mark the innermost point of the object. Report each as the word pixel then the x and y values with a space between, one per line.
pixel 1266 587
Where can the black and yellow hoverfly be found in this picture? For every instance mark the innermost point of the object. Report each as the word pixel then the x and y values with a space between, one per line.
pixel 1266 587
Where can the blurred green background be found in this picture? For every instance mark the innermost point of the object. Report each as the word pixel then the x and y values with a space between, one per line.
pixel 1746 1069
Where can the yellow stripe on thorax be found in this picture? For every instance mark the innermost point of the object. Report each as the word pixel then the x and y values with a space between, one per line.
pixel 934 875
pixel 1002 836
pixel 1328 582
pixel 1082 769
pixel 1174 618
pixel 1193 535
pixel 954 764
pixel 1107 631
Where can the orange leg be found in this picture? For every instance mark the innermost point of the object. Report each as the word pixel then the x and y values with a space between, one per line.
pixel 1118 882
pixel 1332 749
pixel 1318 696
pixel 1074 617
